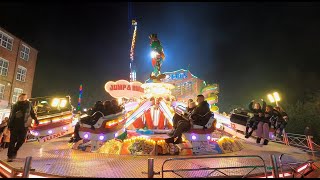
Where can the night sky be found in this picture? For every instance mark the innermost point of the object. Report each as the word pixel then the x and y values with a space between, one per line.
pixel 249 49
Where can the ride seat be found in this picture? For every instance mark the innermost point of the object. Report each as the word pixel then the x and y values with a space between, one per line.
pixel 101 120
pixel 209 123
pixel 202 132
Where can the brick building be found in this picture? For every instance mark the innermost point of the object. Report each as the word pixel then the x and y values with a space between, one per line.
pixel 17 67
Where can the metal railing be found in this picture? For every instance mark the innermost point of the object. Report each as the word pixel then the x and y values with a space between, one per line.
pixel 275 170
pixel 294 166
pixel 298 140
pixel 151 172
pixel 7 171
pixel 216 169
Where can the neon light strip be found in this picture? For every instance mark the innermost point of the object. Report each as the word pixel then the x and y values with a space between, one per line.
pixel 32 176
pixel 133 42
pixel 280 175
pixel 57 120
pixel 5 168
pixel 302 168
pixel 54 115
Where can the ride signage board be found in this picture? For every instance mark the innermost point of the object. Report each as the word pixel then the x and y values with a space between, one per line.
pixel 124 89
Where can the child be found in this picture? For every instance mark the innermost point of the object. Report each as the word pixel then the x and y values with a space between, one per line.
pixel 4 133
pixel 6 138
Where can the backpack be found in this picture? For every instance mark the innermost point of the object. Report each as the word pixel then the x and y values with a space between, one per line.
pixel 27 117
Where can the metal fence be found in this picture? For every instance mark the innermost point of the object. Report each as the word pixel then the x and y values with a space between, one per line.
pixel 207 167
pixel 298 168
pixel 7 171
pixel 298 140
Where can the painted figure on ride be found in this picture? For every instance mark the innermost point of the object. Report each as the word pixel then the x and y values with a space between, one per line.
pixel 157 56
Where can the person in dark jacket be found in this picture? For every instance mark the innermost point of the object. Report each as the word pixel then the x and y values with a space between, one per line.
pixel 257 116
pixel 18 124
pixel 201 114
pixel 115 106
pixel 177 117
pixel 95 108
pixel 94 114
pixel 182 117
pixel 281 121
pixel 181 124
pixel 107 108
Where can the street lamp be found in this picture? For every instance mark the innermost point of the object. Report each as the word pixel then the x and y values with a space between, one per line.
pixel 275 97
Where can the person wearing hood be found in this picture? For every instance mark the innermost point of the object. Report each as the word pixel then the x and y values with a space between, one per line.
pixel 257 116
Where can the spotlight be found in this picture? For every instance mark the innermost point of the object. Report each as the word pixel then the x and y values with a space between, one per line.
pixel 101 137
pixel 153 54
pixel 193 137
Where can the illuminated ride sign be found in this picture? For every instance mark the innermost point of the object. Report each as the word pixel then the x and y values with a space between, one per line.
pixel 157 89
pixel 124 89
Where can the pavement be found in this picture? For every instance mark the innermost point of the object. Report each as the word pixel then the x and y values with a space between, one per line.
pixel 57 158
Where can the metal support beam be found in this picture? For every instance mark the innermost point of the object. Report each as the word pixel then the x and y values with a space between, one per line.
pixel 27 166
pixel 150 167
pixel 275 171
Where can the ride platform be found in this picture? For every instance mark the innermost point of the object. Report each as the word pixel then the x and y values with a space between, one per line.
pixel 55 158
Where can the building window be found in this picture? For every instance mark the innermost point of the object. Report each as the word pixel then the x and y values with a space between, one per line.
pixel 4 64
pixel 6 41
pixel 16 93
pixel 21 75
pixel 1 91
pixel 24 53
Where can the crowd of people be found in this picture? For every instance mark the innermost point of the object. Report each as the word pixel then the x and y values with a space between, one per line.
pixel 13 130
pixel 99 110
pixel 194 115
pixel 263 119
